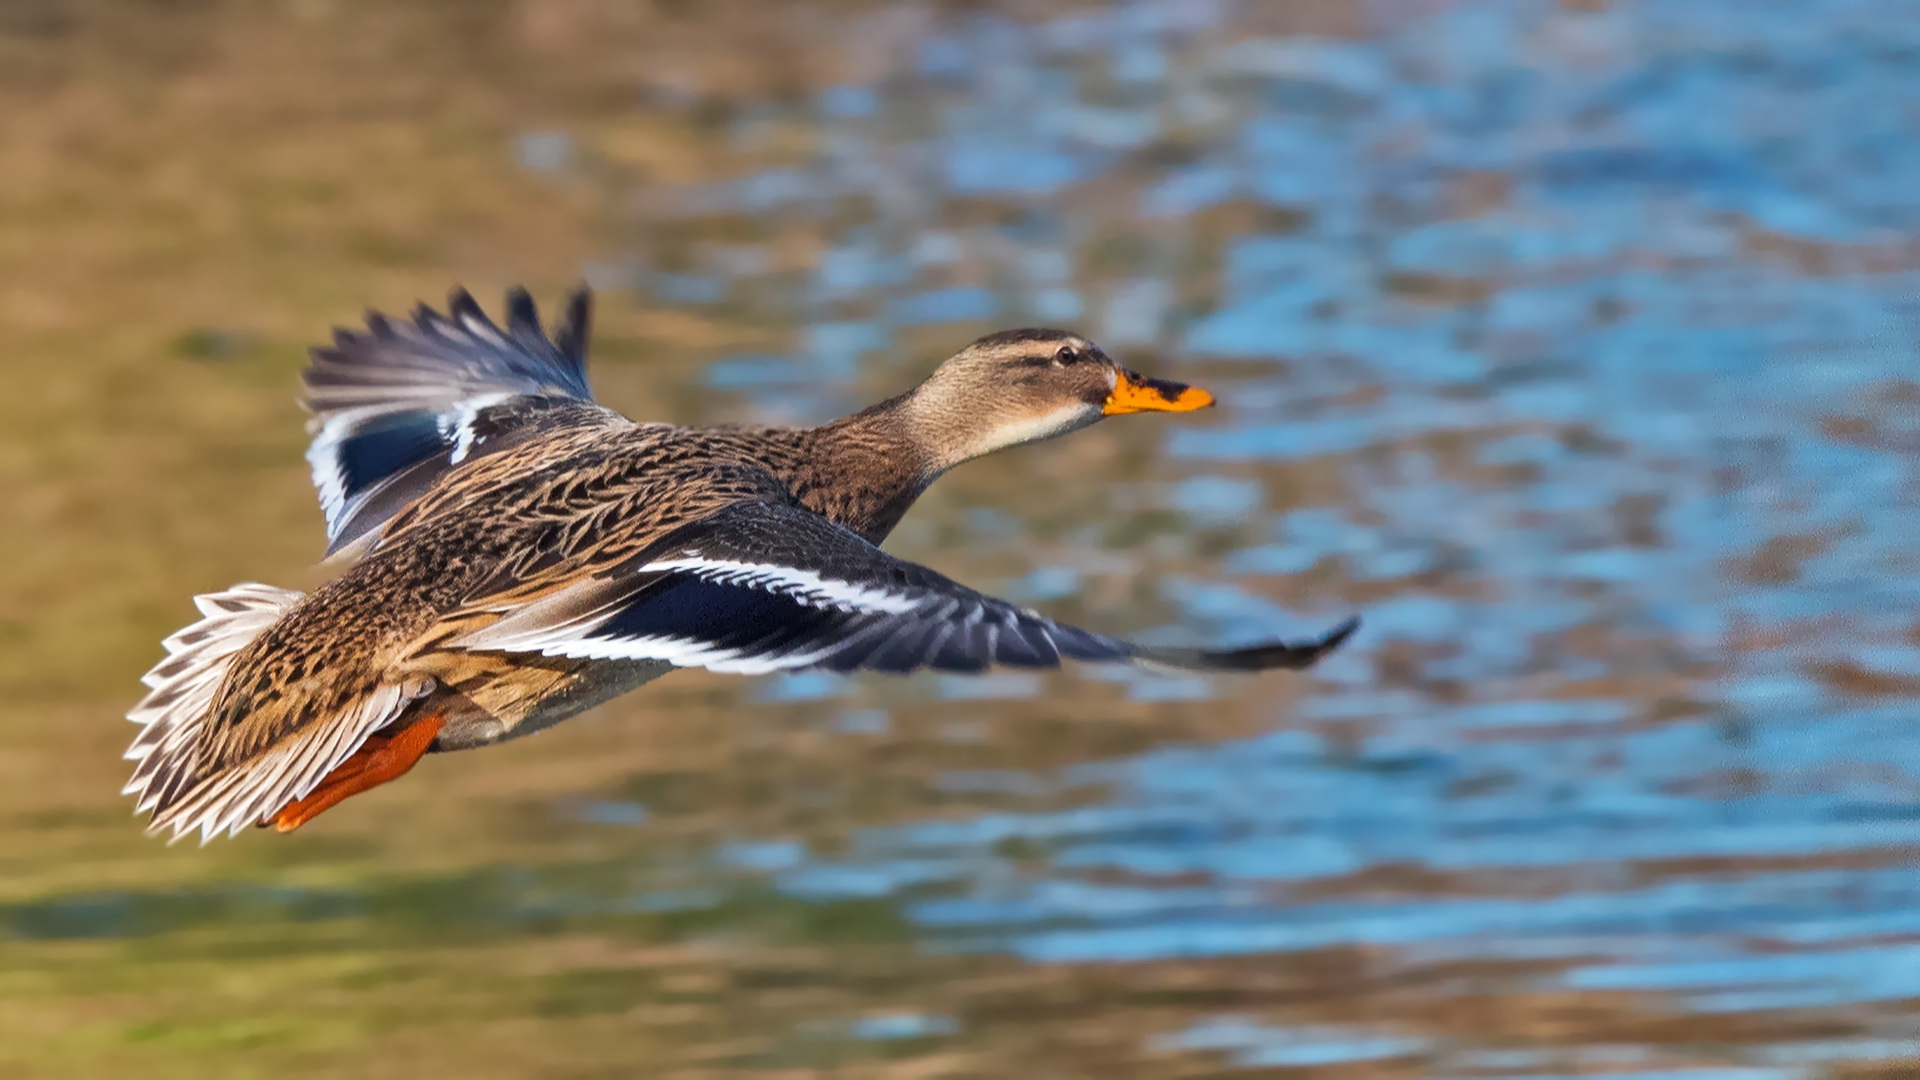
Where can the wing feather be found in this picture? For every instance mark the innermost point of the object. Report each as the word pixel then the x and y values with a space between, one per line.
pixel 394 408
pixel 763 587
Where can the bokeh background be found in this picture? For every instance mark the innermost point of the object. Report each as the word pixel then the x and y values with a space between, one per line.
pixel 1572 343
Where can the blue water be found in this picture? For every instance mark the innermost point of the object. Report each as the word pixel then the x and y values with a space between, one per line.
pixel 1562 318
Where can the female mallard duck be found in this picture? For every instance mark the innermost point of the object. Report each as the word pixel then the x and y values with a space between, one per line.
pixel 522 554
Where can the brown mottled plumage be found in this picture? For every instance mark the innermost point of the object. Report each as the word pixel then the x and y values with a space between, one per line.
pixel 519 554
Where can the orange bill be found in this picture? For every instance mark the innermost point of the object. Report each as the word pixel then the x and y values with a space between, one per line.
pixel 1133 392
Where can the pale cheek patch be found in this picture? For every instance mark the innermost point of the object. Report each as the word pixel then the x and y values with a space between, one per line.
pixel 1035 428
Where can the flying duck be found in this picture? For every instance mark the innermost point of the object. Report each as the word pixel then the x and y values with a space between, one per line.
pixel 517 553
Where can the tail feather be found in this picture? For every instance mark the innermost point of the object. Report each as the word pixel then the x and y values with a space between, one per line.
pixel 249 793
pixel 182 776
pixel 173 716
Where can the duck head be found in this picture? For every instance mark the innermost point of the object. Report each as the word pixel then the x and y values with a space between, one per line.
pixel 1021 386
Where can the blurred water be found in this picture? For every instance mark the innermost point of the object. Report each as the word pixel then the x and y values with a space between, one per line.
pixel 1577 300
pixel 1573 344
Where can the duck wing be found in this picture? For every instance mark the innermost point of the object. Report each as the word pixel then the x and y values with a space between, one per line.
pixel 763 586
pixel 398 405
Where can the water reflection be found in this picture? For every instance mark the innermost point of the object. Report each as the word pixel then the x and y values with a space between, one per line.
pixel 1573 343
pixel 1539 283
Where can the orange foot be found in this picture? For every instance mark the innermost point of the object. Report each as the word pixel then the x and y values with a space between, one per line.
pixel 380 759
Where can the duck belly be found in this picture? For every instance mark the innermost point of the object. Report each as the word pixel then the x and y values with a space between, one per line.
pixel 596 683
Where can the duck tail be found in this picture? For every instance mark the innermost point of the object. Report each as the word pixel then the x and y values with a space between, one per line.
pixel 173 716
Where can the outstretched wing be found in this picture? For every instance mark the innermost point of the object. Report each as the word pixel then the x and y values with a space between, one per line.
pixel 764 587
pixel 398 405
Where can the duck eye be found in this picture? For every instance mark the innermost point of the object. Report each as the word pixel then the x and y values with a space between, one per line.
pixel 1067 355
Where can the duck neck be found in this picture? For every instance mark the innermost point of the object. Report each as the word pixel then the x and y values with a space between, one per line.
pixel 864 471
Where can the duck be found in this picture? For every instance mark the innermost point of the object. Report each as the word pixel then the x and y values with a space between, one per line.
pixel 516 553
